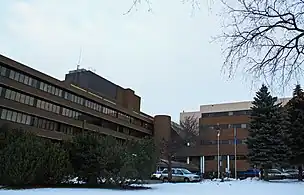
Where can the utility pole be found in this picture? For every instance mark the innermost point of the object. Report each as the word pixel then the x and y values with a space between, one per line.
pixel 235 144
pixel 218 151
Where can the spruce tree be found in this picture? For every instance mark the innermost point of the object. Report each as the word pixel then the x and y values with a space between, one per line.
pixel 266 140
pixel 295 109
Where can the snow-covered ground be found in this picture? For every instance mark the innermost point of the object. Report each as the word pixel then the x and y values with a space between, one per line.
pixel 246 187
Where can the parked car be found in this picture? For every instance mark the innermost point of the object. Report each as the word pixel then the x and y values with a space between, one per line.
pixel 156 175
pixel 274 174
pixel 180 175
pixel 294 173
pixel 249 173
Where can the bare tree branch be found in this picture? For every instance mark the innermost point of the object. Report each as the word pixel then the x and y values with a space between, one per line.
pixel 136 3
pixel 195 4
pixel 265 36
pixel 189 128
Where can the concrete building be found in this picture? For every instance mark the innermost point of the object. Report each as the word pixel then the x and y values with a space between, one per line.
pixel 83 102
pixel 229 121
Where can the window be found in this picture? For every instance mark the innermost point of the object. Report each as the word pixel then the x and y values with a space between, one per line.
pixel 18 97
pixel 0 90
pixel 23 120
pixel 27 99
pixel 22 98
pixel 8 94
pixel 241 157
pixel 12 74
pixel 21 78
pixel 14 116
pixel 165 171
pixel 210 158
pixel 31 101
pixel 26 80
pixel 2 71
pixel 225 141
pixel 9 115
pixel 38 105
pixel 17 75
pixel 19 118
pixel 244 126
pixel 13 95
pixel 3 114
pixel 230 113
pixel 43 104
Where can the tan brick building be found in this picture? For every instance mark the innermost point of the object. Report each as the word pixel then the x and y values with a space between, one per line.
pixel 231 121
pixel 84 101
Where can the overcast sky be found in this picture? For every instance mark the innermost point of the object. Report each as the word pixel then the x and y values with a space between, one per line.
pixel 165 56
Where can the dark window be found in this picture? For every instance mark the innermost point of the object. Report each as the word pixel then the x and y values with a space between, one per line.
pixel 225 142
pixel 2 71
pixel 12 74
pixel 210 158
pixel 165 171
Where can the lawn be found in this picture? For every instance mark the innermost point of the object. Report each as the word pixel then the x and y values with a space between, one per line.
pixel 246 187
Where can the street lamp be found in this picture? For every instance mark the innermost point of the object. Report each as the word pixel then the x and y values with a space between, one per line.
pixel 218 151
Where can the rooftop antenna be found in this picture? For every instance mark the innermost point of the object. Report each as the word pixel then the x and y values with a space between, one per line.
pixel 79 58
pixel 78 65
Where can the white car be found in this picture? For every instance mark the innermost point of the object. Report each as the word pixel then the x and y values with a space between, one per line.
pixel 180 175
pixel 156 175
pixel 274 174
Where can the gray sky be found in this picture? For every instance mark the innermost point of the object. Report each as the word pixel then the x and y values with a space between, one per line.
pixel 165 56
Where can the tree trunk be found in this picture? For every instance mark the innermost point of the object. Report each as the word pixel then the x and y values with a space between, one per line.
pixel 169 169
pixel 266 175
pixel 300 177
pixel 262 174
pixel 92 180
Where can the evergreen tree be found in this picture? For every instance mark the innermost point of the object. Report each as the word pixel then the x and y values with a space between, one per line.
pixel 85 152
pixel 31 160
pixel 295 109
pixel 266 141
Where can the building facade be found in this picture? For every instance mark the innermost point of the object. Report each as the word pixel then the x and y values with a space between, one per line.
pixel 58 110
pixel 223 129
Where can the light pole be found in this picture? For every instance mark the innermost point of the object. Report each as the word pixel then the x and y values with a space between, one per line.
pixel 218 151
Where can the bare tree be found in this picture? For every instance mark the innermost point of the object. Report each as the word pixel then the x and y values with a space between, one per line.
pixel 189 128
pixel 266 37
pixel 181 135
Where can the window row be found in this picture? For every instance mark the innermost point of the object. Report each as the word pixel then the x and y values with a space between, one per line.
pixel 45 124
pixel 225 157
pixel 19 97
pixel 22 78
pixel 225 126
pixel 73 98
pixel 50 89
pixel 48 106
pixel 16 117
pixel 231 113
pixel 15 75
pixel 71 113
pixel 41 123
pixel 214 142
